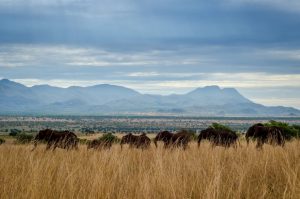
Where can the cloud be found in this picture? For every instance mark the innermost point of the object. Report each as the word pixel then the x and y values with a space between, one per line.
pixel 143 74
pixel 236 80
pixel 184 60
pixel 153 46
pixel 291 5
pixel 157 71
pixel 282 54
pixel 138 25
pixel 41 55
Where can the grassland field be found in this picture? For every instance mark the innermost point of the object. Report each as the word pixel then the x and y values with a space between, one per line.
pixel 204 172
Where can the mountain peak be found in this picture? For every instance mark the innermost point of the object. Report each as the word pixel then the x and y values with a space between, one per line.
pixel 41 86
pixel 106 86
pixel 6 81
pixel 9 83
pixel 215 89
pixel 212 88
pixel 214 95
pixel 114 88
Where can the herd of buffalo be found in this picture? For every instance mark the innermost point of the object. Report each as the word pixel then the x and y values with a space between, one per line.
pixel 218 137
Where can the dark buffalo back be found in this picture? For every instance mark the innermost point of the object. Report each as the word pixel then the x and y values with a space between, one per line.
pixel 181 138
pixel 138 141
pixel 219 137
pixel 164 136
pixel 61 139
pixel 250 132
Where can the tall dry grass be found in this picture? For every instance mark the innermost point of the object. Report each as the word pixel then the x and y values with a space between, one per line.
pixel 245 172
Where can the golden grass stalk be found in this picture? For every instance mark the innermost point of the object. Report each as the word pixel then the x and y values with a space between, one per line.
pixel 209 173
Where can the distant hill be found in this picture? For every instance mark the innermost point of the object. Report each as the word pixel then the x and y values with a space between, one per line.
pixel 105 99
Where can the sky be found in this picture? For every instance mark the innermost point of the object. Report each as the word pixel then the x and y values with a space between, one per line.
pixel 154 46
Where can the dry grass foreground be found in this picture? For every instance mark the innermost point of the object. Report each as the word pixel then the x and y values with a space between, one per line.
pixel 206 173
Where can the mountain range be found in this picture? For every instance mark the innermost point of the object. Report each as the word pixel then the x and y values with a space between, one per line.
pixel 105 99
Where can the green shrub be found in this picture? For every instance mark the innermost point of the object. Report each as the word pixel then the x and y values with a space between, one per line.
pixel 2 141
pixel 24 138
pixel 83 141
pixel 109 137
pixel 14 132
pixel 218 126
pixel 297 127
pixel 289 131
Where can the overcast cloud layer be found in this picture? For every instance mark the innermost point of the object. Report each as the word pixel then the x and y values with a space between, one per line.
pixel 162 47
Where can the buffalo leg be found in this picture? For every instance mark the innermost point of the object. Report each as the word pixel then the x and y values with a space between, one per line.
pixel 54 147
pixel 259 144
pixel 48 146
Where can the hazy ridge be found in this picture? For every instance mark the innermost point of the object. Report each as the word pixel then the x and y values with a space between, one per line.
pixel 105 99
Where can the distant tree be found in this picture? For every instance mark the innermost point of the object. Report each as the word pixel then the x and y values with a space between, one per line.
pixel 297 127
pixel 109 137
pixel 23 138
pixel 218 126
pixel 14 132
pixel 82 141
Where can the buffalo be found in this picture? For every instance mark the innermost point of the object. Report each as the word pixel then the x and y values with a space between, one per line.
pixel 138 141
pixel 62 139
pixel 250 132
pixel 99 144
pixel 266 134
pixel 180 139
pixel 218 137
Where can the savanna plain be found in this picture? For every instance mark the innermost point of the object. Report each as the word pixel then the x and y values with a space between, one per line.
pixel 204 172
